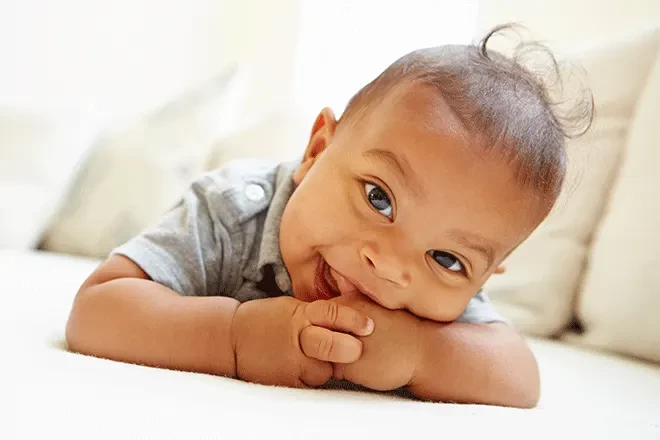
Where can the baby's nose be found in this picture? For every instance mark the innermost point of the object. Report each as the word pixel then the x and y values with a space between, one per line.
pixel 387 266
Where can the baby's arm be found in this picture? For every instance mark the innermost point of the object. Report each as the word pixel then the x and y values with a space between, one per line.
pixel 450 362
pixel 475 363
pixel 159 300
pixel 120 314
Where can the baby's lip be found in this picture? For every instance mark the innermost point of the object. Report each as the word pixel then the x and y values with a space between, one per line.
pixel 324 283
pixel 347 285
pixel 331 283
pixel 344 284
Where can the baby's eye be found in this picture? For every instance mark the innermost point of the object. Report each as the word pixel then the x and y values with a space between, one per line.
pixel 447 260
pixel 379 199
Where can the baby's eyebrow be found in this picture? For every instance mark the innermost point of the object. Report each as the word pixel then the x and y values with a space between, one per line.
pixel 399 164
pixel 477 243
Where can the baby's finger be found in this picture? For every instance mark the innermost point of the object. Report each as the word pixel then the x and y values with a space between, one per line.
pixel 339 317
pixel 314 372
pixel 326 345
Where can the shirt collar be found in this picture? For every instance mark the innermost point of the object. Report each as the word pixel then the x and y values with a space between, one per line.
pixel 269 252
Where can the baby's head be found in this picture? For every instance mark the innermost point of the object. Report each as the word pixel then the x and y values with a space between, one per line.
pixel 436 171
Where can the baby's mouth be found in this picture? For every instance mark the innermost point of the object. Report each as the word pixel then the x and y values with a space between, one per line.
pixel 342 284
pixel 323 282
pixel 329 283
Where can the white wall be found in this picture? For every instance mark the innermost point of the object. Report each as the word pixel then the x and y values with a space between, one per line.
pixel 345 43
pixel 566 23
pixel 121 58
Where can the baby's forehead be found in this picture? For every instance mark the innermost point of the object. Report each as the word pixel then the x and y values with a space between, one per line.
pixel 415 107
pixel 420 102
pixel 413 111
pixel 416 115
pixel 418 130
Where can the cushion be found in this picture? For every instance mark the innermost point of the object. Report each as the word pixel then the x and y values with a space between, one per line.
pixel 38 161
pixel 55 393
pixel 619 302
pixel 281 136
pixel 537 292
pixel 137 174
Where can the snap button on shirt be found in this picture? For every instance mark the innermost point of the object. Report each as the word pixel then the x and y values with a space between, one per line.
pixel 254 192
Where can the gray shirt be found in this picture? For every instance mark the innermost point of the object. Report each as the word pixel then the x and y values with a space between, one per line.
pixel 222 238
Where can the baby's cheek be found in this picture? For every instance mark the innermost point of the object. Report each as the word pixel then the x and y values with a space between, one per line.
pixel 444 307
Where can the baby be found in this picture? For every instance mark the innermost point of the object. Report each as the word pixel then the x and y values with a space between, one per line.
pixel 363 261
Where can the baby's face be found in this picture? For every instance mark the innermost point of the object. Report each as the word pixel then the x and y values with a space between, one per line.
pixel 402 207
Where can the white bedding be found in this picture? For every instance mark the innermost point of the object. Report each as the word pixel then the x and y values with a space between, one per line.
pixel 54 393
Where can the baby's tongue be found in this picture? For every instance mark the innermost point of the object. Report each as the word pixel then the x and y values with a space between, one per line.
pixel 343 285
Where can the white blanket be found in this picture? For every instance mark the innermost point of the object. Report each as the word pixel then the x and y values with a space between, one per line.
pixel 54 393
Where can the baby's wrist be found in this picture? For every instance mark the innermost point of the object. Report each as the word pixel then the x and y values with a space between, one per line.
pixel 419 363
pixel 234 335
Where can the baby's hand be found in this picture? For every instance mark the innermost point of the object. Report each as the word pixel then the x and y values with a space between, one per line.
pixel 389 355
pixel 284 341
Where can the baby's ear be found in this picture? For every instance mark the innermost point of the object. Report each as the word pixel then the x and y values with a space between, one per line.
pixel 322 132
pixel 500 269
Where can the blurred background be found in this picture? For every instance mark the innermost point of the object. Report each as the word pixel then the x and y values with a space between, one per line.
pixel 109 108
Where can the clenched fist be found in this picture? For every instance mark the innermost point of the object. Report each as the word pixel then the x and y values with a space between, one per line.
pixel 284 341
pixel 391 354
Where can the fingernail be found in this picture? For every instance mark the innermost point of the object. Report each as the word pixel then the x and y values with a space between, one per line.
pixel 370 326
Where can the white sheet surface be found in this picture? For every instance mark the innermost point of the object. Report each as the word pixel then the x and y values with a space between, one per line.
pixel 54 393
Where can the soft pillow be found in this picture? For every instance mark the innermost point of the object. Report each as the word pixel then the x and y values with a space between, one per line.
pixel 619 302
pixel 538 291
pixel 280 137
pixel 38 161
pixel 136 175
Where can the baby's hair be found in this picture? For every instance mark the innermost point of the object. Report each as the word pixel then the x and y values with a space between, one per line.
pixel 499 99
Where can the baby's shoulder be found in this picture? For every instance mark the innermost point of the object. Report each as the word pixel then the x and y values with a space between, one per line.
pixel 238 191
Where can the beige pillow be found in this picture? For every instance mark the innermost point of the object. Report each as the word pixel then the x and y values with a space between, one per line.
pixel 538 291
pixel 136 175
pixel 619 304
pixel 282 136
pixel 38 160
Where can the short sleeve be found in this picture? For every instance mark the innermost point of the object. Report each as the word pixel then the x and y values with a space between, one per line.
pixel 186 250
pixel 480 311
